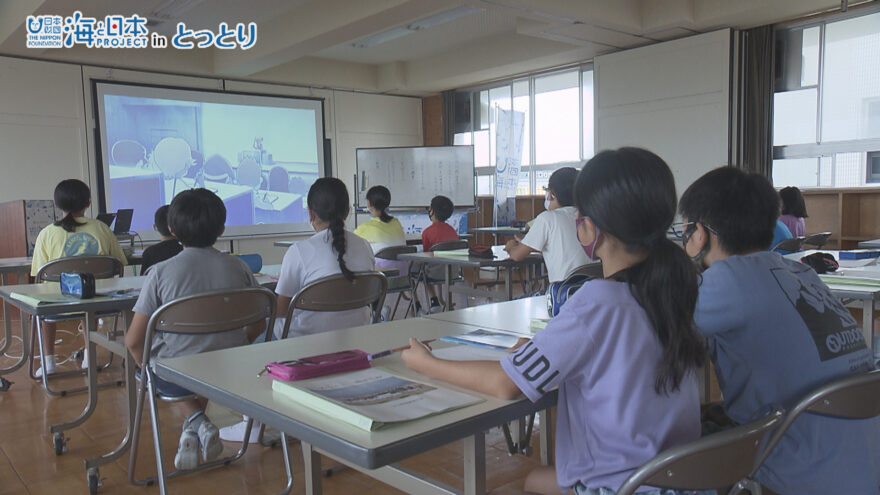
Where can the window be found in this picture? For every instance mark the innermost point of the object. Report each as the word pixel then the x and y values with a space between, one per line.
pixel 826 121
pixel 558 127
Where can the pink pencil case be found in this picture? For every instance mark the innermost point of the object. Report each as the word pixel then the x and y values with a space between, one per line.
pixel 320 365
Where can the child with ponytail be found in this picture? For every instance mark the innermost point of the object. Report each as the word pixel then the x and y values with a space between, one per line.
pixel 73 235
pixel 623 351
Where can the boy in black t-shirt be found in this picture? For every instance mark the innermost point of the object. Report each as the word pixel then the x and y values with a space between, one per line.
pixel 167 248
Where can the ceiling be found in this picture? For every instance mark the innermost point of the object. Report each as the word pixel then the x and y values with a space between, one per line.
pixel 444 44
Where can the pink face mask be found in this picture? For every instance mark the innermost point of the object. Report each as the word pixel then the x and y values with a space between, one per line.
pixel 591 247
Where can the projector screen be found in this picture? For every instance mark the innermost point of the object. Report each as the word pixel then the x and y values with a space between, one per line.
pixel 260 154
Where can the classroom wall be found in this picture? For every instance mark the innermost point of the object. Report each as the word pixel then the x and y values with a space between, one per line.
pixel 671 98
pixel 46 126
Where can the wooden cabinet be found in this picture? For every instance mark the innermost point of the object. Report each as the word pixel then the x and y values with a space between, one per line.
pixel 851 215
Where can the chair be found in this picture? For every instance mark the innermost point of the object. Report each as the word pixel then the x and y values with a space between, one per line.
pixel 391 253
pixel 422 275
pixel 298 186
pixel 173 156
pixel 593 270
pixel 101 267
pixel 337 293
pixel 209 312
pixel 853 397
pixel 128 153
pixel 714 461
pixel 278 180
pixel 793 244
pixel 817 240
pixel 217 169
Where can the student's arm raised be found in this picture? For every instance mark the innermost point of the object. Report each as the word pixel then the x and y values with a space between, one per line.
pixel 482 376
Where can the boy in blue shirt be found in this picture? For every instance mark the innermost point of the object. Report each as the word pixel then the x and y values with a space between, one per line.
pixel 775 333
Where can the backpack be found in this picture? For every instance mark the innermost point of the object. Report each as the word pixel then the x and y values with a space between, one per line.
pixel 559 292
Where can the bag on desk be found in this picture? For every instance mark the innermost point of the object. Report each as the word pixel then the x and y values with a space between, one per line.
pixel 481 251
pixel 821 262
pixel 81 285
pixel 559 292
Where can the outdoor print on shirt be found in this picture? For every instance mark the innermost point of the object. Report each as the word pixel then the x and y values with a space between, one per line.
pixel 833 329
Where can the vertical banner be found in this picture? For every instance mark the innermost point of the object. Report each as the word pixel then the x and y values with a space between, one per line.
pixel 509 129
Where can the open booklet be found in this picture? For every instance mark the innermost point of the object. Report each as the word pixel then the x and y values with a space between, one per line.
pixel 485 338
pixel 372 398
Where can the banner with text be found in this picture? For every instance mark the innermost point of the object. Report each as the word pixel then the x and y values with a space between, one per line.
pixel 509 129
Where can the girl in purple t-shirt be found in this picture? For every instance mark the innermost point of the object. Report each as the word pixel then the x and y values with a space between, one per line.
pixel 623 351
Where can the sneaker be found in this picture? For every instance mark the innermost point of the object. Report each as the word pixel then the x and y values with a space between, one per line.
pixel 235 433
pixel 209 437
pixel 187 451
pixel 386 313
pixel 50 367
pixel 85 361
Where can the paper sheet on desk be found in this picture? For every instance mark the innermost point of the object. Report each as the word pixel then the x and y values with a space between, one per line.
pixel 867 262
pixel 469 353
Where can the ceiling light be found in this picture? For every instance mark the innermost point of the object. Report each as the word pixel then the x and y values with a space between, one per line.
pixel 426 23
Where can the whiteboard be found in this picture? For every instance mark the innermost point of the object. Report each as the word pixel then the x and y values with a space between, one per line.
pixel 414 175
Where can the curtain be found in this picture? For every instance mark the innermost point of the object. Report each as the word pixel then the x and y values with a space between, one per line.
pixel 754 149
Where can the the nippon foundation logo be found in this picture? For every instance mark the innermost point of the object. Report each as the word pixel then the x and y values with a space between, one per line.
pixel 116 31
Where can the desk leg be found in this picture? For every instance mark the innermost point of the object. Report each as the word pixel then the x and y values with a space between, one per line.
pixel 57 429
pixel 475 464
pixel 447 273
pixel 508 283
pixel 92 463
pixel 868 323
pixel 545 436
pixel 7 320
pixel 312 464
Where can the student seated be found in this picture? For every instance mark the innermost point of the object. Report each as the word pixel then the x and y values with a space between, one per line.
pixel 73 235
pixel 196 217
pixel 794 211
pixel 331 251
pixel 553 231
pixel 615 411
pixel 439 231
pixel 775 333
pixel 168 245
pixel 382 231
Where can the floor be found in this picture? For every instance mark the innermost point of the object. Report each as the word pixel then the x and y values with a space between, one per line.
pixel 28 464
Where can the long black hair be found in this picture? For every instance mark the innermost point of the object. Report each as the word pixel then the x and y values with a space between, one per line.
pixel 71 196
pixel 328 199
pixel 380 198
pixel 630 194
pixel 793 202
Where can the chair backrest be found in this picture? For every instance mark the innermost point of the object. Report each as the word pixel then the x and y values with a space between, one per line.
pixel 793 244
pixel 392 252
pixel 250 173
pixel 217 169
pixel 278 179
pixel 99 266
pixel 714 461
pixel 128 153
pixel 337 293
pixel 593 270
pixel 818 240
pixel 212 312
pixel 853 397
pixel 449 245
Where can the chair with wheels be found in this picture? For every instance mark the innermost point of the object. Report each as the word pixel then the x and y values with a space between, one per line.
pixel 816 240
pixel 423 276
pixel 337 293
pixel 205 313
pixel 102 267
pixel 401 284
pixel 854 397
pixel 714 461
pixel 792 245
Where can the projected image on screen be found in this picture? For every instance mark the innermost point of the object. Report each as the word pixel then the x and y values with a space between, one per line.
pixel 260 159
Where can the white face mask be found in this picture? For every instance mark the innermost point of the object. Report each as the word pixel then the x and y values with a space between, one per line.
pixel 547 201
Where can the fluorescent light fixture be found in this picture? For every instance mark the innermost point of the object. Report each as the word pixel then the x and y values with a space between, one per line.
pixel 427 22
pixel 383 37
pixel 444 17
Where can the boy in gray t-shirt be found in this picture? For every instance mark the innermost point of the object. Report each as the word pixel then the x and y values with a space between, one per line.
pixel 197 218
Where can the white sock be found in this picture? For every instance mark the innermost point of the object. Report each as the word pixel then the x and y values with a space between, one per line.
pixel 50 362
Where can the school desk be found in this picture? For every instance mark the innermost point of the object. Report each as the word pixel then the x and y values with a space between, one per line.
pixel 509 316
pixel 411 240
pixel 872 244
pixel 21 267
pixel 229 377
pixel 461 259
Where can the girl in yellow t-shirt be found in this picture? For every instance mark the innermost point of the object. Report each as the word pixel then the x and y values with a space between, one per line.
pixel 73 235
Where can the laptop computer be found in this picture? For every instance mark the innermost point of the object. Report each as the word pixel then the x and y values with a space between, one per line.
pixel 123 221
pixel 107 218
